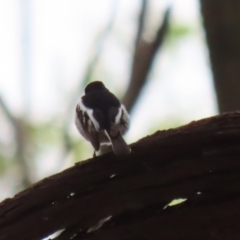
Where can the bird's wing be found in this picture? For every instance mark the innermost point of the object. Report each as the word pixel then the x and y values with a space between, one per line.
pixel 124 120
pixel 81 123
pixel 119 125
pixel 119 121
pixel 94 139
pixel 89 113
pixel 86 127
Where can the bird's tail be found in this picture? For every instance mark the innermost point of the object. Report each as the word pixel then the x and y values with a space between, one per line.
pixel 119 145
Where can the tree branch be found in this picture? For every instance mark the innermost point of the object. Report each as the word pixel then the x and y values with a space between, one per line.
pixel 221 21
pixel 20 154
pixel 144 56
pixel 127 198
pixel 141 21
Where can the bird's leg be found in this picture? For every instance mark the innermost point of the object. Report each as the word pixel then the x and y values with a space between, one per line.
pixel 94 154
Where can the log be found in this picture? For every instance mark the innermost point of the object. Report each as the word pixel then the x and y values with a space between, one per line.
pixel 108 197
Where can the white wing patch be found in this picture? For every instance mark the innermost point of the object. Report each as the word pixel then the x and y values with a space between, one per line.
pixel 125 119
pixel 125 116
pixel 90 114
pixel 80 127
pixel 117 118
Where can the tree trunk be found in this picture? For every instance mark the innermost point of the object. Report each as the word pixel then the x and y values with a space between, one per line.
pixel 222 26
pixel 126 198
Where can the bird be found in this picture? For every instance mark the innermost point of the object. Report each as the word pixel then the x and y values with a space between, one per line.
pixel 101 119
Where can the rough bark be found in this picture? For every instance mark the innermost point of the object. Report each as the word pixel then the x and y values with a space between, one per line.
pixel 199 162
pixel 222 25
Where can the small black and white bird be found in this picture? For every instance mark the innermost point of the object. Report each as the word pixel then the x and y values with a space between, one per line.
pixel 102 119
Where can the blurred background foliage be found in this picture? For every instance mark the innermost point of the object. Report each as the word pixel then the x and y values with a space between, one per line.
pixel 151 54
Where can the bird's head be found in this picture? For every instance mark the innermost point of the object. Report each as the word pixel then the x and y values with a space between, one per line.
pixel 94 86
